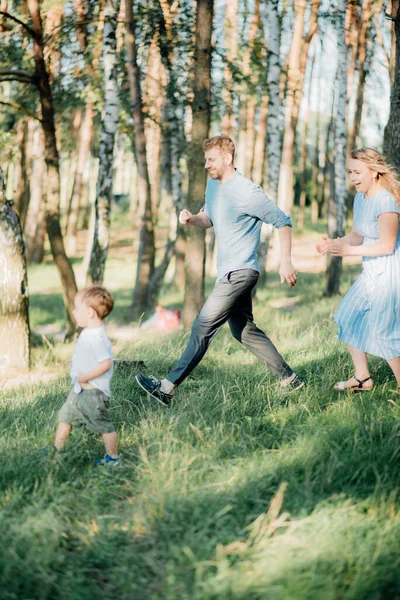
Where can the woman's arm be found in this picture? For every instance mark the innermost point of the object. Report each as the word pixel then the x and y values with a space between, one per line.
pixel 388 231
pixel 353 239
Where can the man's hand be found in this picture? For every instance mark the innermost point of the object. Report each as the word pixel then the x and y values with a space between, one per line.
pixel 288 273
pixel 82 378
pixel 185 216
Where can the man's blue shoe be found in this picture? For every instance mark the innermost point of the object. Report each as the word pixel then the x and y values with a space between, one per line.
pixel 152 386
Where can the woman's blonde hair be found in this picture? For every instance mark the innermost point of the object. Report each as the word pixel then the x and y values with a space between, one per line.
pixel 387 176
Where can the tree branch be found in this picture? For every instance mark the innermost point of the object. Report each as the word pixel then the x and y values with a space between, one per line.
pixel 21 108
pixel 22 76
pixel 7 15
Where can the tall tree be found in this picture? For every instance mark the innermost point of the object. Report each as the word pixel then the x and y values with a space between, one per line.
pixel 334 269
pixel 145 264
pixel 391 144
pixel 231 44
pixel 109 125
pixel 14 316
pixel 297 66
pixel 41 79
pixel 201 111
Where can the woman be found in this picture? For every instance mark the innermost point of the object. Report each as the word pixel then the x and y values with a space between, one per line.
pixel 369 315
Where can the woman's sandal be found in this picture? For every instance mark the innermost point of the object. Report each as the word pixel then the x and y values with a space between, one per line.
pixel 354 388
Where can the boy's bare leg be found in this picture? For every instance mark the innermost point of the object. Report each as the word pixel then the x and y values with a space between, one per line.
pixel 111 444
pixel 62 435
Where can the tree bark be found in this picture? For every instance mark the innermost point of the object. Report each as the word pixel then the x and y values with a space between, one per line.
pixel 297 65
pixel 145 263
pixel 109 125
pixel 201 110
pixel 391 143
pixel 85 139
pixel 35 221
pixel 52 164
pixel 231 43
pixel 23 176
pixel 14 315
pixel 334 269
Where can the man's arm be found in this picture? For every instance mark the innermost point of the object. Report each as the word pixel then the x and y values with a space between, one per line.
pixel 201 220
pixel 286 270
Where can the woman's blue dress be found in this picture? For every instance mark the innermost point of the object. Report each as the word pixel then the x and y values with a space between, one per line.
pixel 369 315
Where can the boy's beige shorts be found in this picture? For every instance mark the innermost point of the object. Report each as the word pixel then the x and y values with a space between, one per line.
pixel 90 408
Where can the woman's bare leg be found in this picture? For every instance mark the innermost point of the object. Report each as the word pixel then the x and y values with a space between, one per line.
pixel 361 370
pixel 394 364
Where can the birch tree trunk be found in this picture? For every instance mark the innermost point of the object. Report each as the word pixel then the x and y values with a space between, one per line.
pixel 391 144
pixel 273 137
pixel 14 315
pixel 303 153
pixel 201 110
pixel 52 166
pixel 109 125
pixel 334 269
pixel 145 264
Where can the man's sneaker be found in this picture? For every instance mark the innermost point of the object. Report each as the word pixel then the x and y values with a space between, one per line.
pixel 107 461
pixel 293 385
pixel 152 386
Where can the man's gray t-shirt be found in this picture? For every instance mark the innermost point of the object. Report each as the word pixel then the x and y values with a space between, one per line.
pixel 237 210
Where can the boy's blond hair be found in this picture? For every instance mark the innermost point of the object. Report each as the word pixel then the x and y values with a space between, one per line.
pixel 98 298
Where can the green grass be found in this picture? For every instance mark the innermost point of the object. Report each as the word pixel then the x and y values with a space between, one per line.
pixel 236 492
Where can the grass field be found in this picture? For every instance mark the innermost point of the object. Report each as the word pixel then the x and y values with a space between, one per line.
pixel 235 492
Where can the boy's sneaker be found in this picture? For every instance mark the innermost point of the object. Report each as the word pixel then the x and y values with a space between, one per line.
pixel 152 386
pixel 49 450
pixel 293 385
pixel 107 461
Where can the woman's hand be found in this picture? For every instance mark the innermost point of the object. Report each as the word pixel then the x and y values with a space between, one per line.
pixel 322 247
pixel 339 248
pixel 336 247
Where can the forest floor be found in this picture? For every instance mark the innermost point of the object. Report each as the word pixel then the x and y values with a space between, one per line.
pixel 237 491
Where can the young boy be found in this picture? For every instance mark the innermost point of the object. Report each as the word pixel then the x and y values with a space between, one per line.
pixel 91 372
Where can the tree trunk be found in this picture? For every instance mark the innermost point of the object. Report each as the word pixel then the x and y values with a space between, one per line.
pixel 303 154
pixel 109 125
pixel 23 177
pixel 231 43
pixel 363 60
pixel 14 315
pixel 35 221
pixel 52 163
pixel 297 65
pixel 201 110
pixel 85 140
pixel 391 144
pixel 340 191
pixel 145 263
pixel 273 137
pixel 248 101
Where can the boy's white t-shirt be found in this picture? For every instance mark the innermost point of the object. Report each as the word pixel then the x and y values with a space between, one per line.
pixel 92 347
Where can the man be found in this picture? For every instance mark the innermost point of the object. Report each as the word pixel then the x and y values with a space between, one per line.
pixel 236 208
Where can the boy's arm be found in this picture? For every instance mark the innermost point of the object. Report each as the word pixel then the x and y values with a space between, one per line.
pixel 101 368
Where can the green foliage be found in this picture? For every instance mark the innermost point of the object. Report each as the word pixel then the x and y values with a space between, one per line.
pixel 197 510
